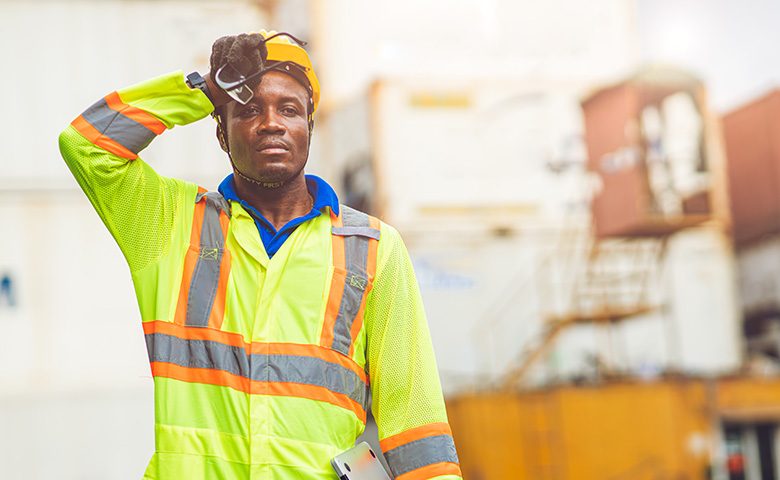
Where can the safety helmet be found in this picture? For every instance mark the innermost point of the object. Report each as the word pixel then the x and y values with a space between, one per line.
pixel 283 47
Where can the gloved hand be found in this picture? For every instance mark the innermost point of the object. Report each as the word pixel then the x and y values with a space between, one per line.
pixel 246 53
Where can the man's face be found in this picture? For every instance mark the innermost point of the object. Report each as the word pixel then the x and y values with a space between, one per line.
pixel 269 136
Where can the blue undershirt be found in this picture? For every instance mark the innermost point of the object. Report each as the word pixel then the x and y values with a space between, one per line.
pixel 322 193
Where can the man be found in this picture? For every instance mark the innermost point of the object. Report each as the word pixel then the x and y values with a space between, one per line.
pixel 269 310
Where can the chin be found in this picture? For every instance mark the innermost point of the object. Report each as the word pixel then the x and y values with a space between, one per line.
pixel 273 178
pixel 272 173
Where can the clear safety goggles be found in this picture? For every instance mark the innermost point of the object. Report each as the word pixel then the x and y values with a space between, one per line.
pixel 234 83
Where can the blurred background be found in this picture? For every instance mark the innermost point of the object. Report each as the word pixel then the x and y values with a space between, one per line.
pixel 590 192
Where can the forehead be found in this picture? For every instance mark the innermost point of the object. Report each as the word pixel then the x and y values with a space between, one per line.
pixel 277 85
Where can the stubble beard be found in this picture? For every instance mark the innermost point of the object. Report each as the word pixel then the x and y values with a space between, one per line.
pixel 269 182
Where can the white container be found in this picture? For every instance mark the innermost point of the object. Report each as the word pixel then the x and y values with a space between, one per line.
pixel 75 376
pixel 439 148
pixel 68 55
pixel 759 280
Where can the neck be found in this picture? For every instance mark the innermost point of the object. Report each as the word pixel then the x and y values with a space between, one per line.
pixel 277 205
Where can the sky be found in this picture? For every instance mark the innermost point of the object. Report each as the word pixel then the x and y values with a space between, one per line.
pixel 731 45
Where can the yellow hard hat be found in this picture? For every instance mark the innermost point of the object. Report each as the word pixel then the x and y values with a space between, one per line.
pixel 285 48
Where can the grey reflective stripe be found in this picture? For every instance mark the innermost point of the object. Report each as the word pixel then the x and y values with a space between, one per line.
pixel 217 199
pixel 356 259
pixel 360 231
pixel 259 367
pixel 197 354
pixel 309 371
pixel 205 277
pixel 118 127
pixel 420 453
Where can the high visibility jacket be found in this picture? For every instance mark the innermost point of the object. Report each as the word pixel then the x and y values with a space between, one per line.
pixel 262 367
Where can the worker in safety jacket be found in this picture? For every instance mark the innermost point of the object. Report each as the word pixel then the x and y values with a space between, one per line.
pixel 269 310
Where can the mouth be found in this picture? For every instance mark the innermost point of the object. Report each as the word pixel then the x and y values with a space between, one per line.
pixel 272 147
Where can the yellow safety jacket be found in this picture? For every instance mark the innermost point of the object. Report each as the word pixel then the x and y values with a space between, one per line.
pixel 262 367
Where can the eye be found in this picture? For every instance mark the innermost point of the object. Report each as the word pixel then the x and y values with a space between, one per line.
pixel 289 110
pixel 249 110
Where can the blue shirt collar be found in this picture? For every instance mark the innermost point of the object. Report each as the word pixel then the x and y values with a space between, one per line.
pixel 322 193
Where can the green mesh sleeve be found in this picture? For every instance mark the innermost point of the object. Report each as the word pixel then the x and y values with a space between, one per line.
pixel 404 379
pixel 136 204
pixel 406 393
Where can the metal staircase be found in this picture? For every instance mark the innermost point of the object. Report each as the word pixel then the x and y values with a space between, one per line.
pixel 605 281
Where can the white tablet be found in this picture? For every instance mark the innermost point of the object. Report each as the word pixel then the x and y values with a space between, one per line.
pixel 359 463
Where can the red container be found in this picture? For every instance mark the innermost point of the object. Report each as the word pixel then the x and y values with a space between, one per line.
pixel 752 136
pixel 628 203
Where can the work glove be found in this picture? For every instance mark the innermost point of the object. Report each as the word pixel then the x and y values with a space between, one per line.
pixel 246 53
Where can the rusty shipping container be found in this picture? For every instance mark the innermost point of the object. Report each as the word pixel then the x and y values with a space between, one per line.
pixel 752 137
pixel 647 141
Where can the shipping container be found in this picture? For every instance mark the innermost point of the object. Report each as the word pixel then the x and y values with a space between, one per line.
pixel 494 151
pixel 687 428
pixel 752 138
pixel 759 286
pixel 759 264
pixel 647 139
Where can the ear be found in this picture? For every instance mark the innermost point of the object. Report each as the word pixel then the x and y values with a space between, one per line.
pixel 222 139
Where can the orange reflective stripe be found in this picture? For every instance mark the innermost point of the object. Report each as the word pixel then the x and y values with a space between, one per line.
pixel 372 249
pixel 269 348
pixel 408 436
pixel 357 324
pixel 431 471
pixel 336 285
pixel 312 392
pixel 217 314
pixel 95 137
pixel 195 333
pixel 371 272
pixel 144 118
pixel 201 375
pixel 190 260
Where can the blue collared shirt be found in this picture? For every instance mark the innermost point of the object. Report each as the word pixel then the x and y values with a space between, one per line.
pixel 322 193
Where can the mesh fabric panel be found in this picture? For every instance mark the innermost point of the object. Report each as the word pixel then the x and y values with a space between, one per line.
pixel 135 203
pixel 402 366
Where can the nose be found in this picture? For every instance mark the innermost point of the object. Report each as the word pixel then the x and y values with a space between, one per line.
pixel 271 123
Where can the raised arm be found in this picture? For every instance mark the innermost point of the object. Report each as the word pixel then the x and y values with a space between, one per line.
pixel 407 399
pixel 101 148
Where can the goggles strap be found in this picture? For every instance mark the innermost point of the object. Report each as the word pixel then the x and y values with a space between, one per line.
pixel 289 35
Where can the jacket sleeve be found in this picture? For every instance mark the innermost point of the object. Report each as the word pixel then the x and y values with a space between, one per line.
pixel 101 149
pixel 407 401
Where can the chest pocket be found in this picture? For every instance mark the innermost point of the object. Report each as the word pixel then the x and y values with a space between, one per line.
pixel 355 237
pixel 201 300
